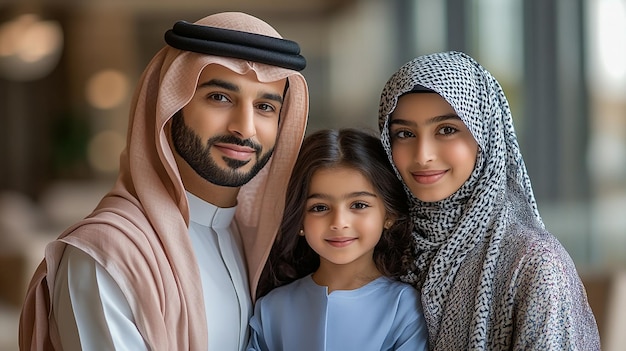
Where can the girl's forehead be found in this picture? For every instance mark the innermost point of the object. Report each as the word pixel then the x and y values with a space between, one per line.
pixel 334 169
pixel 340 180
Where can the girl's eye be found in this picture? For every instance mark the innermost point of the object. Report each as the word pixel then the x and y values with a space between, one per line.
pixel 318 208
pixel 447 130
pixel 360 205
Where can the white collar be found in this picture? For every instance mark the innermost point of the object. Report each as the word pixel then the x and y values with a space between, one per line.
pixel 207 214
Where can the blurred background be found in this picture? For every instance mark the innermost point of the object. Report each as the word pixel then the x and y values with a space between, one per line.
pixel 68 70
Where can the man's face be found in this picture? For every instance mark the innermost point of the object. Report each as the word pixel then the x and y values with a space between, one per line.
pixel 228 130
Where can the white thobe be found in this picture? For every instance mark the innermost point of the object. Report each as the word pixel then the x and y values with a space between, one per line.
pixel 93 314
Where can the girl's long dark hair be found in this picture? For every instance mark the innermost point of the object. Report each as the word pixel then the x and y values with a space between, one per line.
pixel 291 257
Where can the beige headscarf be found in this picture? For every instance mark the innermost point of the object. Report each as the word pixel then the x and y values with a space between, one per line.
pixel 138 232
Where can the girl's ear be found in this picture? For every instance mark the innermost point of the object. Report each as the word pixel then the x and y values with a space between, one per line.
pixel 388 223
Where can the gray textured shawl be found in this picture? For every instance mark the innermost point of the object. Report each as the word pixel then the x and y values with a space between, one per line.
pixel 491 276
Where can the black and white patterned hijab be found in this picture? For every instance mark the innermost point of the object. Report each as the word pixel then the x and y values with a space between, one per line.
pixel 497 192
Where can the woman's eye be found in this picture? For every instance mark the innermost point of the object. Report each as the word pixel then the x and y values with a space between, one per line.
pixel 402 134
pixel 447 130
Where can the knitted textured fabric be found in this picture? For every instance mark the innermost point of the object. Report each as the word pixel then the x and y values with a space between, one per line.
pixel 490 275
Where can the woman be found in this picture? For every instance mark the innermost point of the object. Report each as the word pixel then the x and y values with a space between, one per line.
pixel 491 276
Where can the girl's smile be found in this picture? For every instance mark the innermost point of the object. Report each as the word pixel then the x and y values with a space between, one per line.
pixel 340 242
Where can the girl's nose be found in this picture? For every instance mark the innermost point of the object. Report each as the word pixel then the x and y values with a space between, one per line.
pixel 340 221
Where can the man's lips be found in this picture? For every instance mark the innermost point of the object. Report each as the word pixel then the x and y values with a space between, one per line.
pixel 428 177
pixel 236 152
pixel 340 242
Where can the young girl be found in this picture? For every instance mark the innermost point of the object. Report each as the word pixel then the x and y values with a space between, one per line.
pixel 341 245
pixel 491 277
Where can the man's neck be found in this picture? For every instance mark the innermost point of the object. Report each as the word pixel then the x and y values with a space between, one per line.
pixel 219 196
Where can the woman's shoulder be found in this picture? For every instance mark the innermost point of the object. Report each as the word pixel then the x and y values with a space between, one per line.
pixel 538 255
pixel 533 244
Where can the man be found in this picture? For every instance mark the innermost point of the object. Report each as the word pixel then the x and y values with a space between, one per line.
pixel 171 256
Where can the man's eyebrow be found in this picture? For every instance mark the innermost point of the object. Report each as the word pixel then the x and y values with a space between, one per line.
pixel 234 88
pixel 274 97
pixel 219 83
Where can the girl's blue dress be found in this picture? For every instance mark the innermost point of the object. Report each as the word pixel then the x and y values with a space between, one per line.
pixel 382 315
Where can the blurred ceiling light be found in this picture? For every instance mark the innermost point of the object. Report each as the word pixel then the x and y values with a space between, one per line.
pixel 107 89
pixel 612 37
pixel 103 151
pixel 30 48
pixel 608 50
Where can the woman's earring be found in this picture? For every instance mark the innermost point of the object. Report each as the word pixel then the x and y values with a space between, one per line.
pixel 301 232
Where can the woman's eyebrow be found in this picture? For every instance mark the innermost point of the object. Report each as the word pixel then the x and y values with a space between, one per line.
pixel 442 118
pixel 432 120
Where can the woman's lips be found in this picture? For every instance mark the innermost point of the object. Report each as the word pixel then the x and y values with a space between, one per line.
pixel 428 177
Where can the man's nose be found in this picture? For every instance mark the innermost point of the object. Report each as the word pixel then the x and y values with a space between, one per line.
pixel 242 122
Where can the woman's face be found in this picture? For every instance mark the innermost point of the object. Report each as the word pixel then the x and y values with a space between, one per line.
pixel 432 148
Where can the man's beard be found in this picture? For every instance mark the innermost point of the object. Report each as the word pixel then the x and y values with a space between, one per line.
pixel 189 146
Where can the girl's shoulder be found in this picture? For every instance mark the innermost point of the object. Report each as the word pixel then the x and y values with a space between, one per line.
pixel 396 286
pixel 306 286
pixel 398 291
pixel 287 290
pixel 405 298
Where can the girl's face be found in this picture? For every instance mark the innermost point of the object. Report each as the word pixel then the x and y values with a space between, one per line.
pixel 344 219
pixel 432 148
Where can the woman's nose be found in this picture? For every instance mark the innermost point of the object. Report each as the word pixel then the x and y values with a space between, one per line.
pixel 425 151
